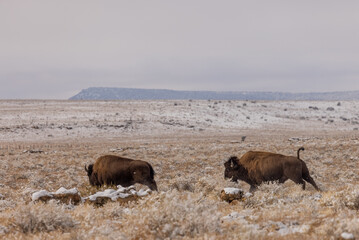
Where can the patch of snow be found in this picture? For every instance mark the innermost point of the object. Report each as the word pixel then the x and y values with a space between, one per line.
pixel 284 229
pixel 127 210
pixel 294 229
pixel 346 235
pixel 121 192
pixel 123 189
pixel 63 190
pixel 248 195
pixel 232 190
pixel 42 193
pixel 240 218
pixel 233 215
pixel 317 196
pixel 143 193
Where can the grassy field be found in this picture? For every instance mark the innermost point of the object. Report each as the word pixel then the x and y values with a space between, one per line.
pixel 189 174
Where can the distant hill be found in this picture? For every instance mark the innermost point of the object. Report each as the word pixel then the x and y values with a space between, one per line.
pixel 99 93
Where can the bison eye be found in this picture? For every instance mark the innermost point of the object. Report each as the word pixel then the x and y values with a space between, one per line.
pixel 134 173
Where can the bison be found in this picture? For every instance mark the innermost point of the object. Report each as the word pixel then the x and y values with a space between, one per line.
pixel 257 167
pixel 115 170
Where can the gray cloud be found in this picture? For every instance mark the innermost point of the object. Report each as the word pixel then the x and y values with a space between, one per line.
pixel 51 49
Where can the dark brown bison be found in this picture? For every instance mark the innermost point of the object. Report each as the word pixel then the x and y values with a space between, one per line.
pixel 257 167
pixel 115 170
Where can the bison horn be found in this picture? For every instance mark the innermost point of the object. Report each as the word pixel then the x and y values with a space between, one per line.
pixel 233 161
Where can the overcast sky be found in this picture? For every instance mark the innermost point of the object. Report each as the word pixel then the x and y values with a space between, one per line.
pixel 53 49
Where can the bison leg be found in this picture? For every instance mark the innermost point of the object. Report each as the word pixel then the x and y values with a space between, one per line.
pixel 294 172
pixel 299 180
pixel 152 185
pixel 303 183
pixel 307 177
pixel 283 179
pixel 252 188
pixel 310 180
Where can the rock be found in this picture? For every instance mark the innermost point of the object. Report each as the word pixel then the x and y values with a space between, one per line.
pixel 33 151
pixel 42 195
pixel 121 195
pixel 68 196
pixel 231 194
pixel 63 195
pixel 72 196
pixel 314 108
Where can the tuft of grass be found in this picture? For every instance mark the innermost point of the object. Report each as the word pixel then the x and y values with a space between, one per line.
pixel 41 217
pixel 172 215
pixel 183 186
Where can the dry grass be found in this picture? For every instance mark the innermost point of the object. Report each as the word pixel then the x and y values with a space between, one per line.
pixel 190 178
pixel 34 218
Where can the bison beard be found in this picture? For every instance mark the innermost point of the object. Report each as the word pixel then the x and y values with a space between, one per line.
pixel 115 170
pixel 257 167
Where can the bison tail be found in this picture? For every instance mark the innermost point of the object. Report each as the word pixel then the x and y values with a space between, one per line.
pixel 300 149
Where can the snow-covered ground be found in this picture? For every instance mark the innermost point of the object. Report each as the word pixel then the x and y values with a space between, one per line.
pixel 49 120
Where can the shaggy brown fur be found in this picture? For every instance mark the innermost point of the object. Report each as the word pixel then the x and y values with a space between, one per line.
pixel 115 170
pixel 257 167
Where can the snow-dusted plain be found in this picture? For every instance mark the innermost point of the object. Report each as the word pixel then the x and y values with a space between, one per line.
pixel 59 120
pixel 44 145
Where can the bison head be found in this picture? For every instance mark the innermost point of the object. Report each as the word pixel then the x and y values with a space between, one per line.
pixel 89 169
pixel 234 170
pixel 92 176
pixel 230 168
